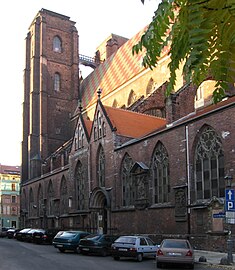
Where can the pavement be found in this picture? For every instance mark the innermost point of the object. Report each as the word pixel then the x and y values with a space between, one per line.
pixel 214 258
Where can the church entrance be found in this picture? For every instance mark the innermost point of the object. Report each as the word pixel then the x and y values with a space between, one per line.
pixel 100 211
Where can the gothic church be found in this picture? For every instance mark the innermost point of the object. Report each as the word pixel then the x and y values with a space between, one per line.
pixel 110 153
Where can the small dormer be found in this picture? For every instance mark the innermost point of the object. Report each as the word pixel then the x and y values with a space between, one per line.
pixel 204 93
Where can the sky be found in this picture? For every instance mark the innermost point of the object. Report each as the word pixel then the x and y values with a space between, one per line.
pixel 95 21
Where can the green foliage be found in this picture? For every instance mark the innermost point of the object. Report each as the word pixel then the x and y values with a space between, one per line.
pixel 201 35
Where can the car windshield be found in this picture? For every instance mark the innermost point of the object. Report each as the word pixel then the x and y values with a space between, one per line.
pixel 126 240
pixel 68 234
pixel 175 244
pixel 93 237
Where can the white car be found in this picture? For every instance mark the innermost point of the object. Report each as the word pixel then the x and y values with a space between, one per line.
pixel 137 247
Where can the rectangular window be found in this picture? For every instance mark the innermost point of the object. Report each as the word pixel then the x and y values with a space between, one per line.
pixel 13 187
pixel 13 199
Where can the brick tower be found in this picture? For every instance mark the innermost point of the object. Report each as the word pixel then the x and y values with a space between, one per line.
pixel 50 88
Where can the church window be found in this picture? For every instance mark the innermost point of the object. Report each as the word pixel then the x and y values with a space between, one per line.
pixel 160 172
pixel 57 81
pixel 101 167
pixel 57 44
pixel 209 165
pixel 99 124
pixel 63 197
pixel 150 86
pixel 80 137
pixel 80 186
pixel 132 98
pixel 50 199
pixel 128 188
pixel 31 203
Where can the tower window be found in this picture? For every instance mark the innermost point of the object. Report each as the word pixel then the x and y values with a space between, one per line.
pixel 57 44
pixel 57 82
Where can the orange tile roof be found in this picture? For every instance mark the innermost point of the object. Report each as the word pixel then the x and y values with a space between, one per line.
pixel 88 125
pixel 133 124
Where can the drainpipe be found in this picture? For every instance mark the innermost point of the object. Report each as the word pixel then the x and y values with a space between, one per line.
pixel 188 178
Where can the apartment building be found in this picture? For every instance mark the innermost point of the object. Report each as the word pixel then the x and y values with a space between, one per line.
pixel 9 196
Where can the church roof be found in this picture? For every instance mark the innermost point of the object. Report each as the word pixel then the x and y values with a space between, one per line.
pixel 133 124
pixel 114 72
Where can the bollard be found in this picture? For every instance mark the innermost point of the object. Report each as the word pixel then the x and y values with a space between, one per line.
pixel 230 250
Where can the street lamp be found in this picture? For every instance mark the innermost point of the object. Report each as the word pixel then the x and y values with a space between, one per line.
pixel 228 184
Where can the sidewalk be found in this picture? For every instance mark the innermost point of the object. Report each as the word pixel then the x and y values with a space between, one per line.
pixel 213 258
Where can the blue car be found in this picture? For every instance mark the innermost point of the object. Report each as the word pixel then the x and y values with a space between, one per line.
pixel 68 240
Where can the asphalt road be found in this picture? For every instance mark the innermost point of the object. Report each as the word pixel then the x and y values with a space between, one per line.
pixel 16 255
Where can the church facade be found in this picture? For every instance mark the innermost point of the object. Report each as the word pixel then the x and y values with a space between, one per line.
pixel 110 153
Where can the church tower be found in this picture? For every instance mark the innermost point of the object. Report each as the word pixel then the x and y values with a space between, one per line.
pixel 50 88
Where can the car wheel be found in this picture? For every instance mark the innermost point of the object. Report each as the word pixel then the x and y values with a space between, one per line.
pixel 77 250
pixel 104 252
pixel 61 250
pixel 139 257
pixel 116 258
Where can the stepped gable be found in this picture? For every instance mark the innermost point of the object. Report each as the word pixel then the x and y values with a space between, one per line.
pixel 133 124
pixel 115 71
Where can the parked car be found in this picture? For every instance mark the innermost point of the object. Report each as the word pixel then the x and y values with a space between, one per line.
pixel 11 232
pixel 68 240
pixel 3 231
pixel 29 235
pixel 137 247
pixel 175 251
pixel 97 243
pixel 20 235
pixel 44 236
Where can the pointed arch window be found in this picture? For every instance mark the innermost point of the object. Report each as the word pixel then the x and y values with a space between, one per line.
pixel 40 201
pixel 128 189
pixel 80 137
pixel 63 197
pixel 31 203
pixel 57 44
pixel 150 86
pixel 160 172
pixel 80 186
pixel 99 124
pixel 50 199
pixel 209 165
pixel 57 82
pixel 132 98
pixel 101 168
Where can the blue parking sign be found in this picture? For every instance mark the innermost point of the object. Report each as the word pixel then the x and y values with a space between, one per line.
pixel 230 202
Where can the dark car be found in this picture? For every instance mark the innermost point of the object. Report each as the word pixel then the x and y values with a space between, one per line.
pixel 11 233
pixel 97 243
pixel 29 235
pixel 3 231
pixel 20 235
pixel 44 236
pixel 68 240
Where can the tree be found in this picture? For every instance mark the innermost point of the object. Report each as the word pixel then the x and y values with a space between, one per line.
pixel 201 35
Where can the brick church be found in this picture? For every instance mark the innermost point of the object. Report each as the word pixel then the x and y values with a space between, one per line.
pixel 110 153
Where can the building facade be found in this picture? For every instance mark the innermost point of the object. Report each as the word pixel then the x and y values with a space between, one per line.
pixel 135 161
pixel 9 196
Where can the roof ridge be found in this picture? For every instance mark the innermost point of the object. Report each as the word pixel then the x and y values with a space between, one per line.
pixel 134 112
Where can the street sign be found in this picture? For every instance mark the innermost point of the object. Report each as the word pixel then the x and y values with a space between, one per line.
pixel 219 215
pixel 230 202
